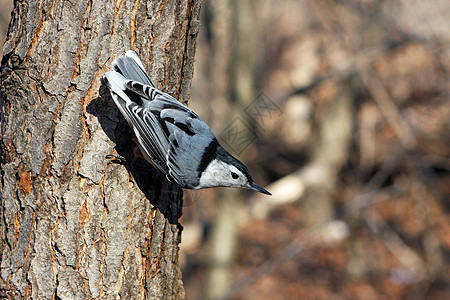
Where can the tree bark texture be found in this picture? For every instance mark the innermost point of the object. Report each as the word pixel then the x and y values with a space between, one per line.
pixel 75 225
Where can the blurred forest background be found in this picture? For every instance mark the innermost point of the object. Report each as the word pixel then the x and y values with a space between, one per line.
pixel 340 109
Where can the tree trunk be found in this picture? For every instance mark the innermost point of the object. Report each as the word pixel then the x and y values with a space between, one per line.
pixel 73 224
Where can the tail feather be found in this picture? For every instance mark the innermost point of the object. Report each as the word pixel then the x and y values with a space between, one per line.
pixel 116 84
pixel 131 67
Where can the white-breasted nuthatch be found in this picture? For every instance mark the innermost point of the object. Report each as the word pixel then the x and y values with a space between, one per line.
pixel 171 136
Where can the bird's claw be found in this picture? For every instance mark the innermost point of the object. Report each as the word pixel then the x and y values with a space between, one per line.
pixel 163 88
pixel 116 158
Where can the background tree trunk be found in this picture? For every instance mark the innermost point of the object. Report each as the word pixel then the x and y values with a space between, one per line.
pixel 73 224
pixel 233 31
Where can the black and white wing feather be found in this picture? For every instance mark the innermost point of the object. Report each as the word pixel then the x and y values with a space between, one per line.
pixel 170 135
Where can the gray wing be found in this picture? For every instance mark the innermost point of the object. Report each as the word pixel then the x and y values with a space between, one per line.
pixel 169 133
pixel 152 141
pixel 187 134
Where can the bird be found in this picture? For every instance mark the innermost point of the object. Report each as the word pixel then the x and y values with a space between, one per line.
pixel 170 135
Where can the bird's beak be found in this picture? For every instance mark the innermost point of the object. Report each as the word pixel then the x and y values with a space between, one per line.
pixel 255 187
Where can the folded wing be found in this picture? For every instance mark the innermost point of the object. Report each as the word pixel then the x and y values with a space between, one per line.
pixel 170 135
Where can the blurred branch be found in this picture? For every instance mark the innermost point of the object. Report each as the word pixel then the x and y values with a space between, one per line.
pixel 330 154
pixel 350 67
pixel 407 257
pixel 361 63
pixel 387 106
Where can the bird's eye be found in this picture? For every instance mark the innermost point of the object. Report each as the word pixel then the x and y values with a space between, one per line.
pixel 234 175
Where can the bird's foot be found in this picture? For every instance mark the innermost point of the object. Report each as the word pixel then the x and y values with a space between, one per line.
pixel 163 89
pixel 117 159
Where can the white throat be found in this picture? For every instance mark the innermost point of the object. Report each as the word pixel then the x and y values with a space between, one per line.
pixel 213 174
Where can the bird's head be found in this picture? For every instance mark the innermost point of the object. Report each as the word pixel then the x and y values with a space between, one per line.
pixel 225 170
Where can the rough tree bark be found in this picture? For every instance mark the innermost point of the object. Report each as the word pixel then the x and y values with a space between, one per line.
pixel 73 224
